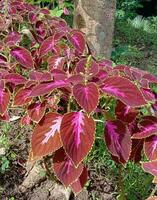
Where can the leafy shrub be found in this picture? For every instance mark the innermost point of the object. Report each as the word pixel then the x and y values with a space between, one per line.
pixel 127 9
pixel 6 154
pixel 146 24
pixel 135 47
pixel 123 54
pixel 57 8
pixel 48 69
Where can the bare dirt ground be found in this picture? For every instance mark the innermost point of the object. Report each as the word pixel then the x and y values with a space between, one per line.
pixel 41 187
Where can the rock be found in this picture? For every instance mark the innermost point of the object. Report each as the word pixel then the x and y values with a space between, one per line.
pixel 33 177
pixel 107 197
pixel 59 192
pixel 41 194
pixel 2 151
pixel 82 196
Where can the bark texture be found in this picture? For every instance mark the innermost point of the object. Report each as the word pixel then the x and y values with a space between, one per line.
pixel 96 19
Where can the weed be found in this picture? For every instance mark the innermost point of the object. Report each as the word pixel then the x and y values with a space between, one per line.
pixel 6 154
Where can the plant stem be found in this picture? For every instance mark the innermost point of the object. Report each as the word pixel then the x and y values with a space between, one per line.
pixel 153 191
pixel 69 104
pixel 98 120
pixel 49 173
pixel 121 184
pixel 6 8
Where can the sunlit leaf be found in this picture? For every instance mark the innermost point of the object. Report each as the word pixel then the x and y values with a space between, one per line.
pixel 78 185
pixel 116 137
pixel 150 147
pixel 4 100
pixel 77 134
pixel 78 41
pixel 147 129
pixel 36 111
pixel 124 90
pixel 87 96
pixel 45 138
pixel 23 56
pixel 150 167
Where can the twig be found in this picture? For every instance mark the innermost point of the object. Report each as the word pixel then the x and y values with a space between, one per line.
pixel 49 173
pixel 98 120
pixel 6 8
pixel 100 138
pixel 153 191
pixel 121 183
pixel 69 104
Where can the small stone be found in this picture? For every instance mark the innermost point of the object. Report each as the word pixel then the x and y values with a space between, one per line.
pixel 59 192
pixel 107 197
pixel 83 195
pixel 2 151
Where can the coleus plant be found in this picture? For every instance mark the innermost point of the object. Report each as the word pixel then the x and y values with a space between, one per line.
pixel 47 68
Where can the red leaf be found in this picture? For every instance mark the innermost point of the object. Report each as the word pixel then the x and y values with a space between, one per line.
pixel 90 70
pixel 32 17
pixel 125 113
pixel 78 185
pixel 56 62
pixel 151 78
pixel 64 169
pixel 136 74
pixel 100 76
pixel 151 118
pixel 3 61
pixel 22 97
pixel 45 138
pixel 5 117
pixel 45 88
pixel 23 56
pixel 150 147
pixel 124 90
pixel 46 46
pixel 147 129
pixel 36 111
pixel 144 83
pixel 58 74
pixel 150 167
pixel 17 79
pixel 26 120
pixel 3 73
pixel 45 11
pixel 118 140
pixel 2 85
pixel 136 151
pixel 12 38
pixel 30 83
pixel 78 41
pixel 148 94
pixel 87 96
pixel 77 134
pixel 4 100
pixel 77 78
pixel 40 29
pixel 105 63
pixel 40 76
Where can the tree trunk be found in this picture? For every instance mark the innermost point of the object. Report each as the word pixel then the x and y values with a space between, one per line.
pixel 96 19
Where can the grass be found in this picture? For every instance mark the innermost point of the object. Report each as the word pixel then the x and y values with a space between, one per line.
pixel 134 46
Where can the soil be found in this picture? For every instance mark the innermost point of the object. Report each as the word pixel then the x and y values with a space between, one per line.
pixel 100 188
